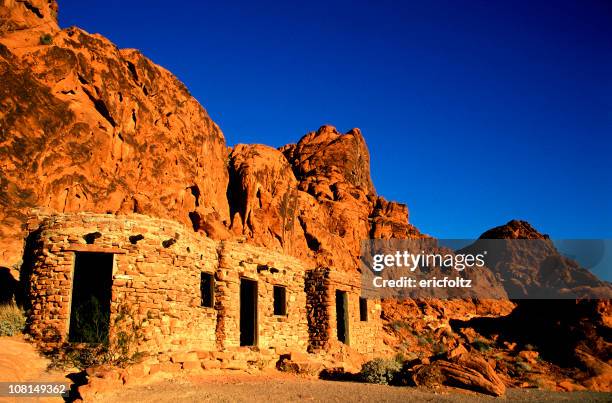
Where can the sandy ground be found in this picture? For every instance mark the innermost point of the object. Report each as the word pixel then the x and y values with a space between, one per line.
pixel 279 387
pixel 19 361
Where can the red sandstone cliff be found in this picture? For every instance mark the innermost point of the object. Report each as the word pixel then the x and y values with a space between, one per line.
pixel 89 127
pixel 313 199
pixel 86 126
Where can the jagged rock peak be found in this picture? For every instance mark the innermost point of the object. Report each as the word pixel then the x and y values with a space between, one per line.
pixel 514 229
pixel 327 153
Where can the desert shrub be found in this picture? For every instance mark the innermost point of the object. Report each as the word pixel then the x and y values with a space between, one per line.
pixel 119 350
pixel 124 349
pixel 523 366
pixel 90 322
pixel 398 325
pixel 12 320
pixel 439 348
pixel 400 357
pixel 424 341
pixel 380 370
pixel 481 345
pixel 405 344
pixel 46 39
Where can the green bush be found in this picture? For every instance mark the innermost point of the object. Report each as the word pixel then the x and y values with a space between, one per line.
pixel 481 345
pixel 398 325
pixel 380 371
pixel 400 357
pixel 424 341
pixel 90 322
pixel 523 366
pixel 120 350
pixel 46 39
pixel 12 320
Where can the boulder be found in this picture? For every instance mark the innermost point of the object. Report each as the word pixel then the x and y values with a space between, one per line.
pixel 463 370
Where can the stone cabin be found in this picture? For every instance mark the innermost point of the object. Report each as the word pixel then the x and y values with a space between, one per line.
pixel 187 293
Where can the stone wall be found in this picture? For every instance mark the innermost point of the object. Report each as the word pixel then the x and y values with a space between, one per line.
pixel 321 287
pixel 282 333
pixel 156 272
pixel 156 278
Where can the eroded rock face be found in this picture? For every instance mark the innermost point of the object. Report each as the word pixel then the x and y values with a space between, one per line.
pixel 314 199
pixel 514 229
pixel 264 198
pixel 88 127
pixel 324 159
pixel 530 265
pixel 28 14
pixel 334 169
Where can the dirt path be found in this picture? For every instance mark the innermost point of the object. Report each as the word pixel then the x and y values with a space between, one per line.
pixel 280 387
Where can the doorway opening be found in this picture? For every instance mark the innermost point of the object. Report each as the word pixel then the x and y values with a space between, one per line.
pixel 342 316
pixel 91 297
pixel 248 312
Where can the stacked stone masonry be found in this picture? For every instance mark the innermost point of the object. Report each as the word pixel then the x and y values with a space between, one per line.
pixel 322 286
pixel 157 268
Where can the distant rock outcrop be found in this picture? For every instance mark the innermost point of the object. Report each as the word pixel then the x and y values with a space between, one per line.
pixel 530 266
pixel 568 332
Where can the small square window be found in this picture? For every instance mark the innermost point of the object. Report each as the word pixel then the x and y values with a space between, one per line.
pixel 363 309
pixel 280 300
pixel 207 290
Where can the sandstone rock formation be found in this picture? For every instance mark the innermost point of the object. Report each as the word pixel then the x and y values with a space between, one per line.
pixel 85 126
pixel 462 369
pixel 16 15
pixel 314 199
pixel 88 127
pixel 567 332
pixel 530 265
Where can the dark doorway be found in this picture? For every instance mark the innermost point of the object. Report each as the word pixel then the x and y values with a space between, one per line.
pixel 91 296
pixel 342 316
pixel 248 312
pixel 8 286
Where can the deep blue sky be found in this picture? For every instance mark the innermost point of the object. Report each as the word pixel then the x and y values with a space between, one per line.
pixel 475 112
